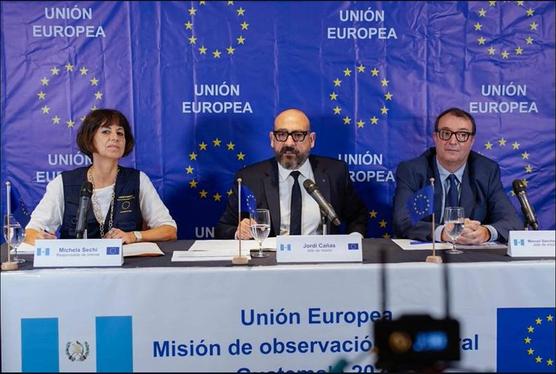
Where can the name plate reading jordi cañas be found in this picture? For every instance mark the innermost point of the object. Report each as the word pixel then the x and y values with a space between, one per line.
pixel 78 252
pixel 319 248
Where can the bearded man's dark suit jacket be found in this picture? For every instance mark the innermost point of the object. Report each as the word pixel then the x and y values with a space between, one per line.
pixel 332 179
pixel 482 196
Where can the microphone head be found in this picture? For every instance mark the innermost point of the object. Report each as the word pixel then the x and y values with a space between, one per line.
pixel 310 186
pixel 86 189
pixel 518 186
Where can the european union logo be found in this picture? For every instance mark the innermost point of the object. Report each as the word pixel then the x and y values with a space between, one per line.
pixel 421 204
pixel 525 339
pixel 248 200
pixel 353 246
pixel 112 250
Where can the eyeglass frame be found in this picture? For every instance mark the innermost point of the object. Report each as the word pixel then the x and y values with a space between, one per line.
pixel 291 133
pixel 467 135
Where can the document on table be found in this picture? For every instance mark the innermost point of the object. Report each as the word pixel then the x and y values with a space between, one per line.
pixel 129 250
pixel 415 245
pixel 145 249
pixel 220 250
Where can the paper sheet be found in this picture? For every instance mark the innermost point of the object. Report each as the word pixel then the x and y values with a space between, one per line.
pixel 414 245
pixel 130 250
pixel 220 250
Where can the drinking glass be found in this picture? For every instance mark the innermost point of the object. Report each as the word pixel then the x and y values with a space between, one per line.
pixel 13 234
pixel 260 228
pixel 454 221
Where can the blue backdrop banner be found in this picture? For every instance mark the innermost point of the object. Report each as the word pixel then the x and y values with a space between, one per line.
pixel 202 81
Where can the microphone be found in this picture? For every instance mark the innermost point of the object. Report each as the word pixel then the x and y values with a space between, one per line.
pixel 526 208
pixel 324 205
pixel 84 199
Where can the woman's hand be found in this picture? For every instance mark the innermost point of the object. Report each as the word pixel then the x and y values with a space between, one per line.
pixel 127 237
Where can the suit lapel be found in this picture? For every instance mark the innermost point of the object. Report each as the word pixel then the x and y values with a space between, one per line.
pixel 438 191
pixel 321 178
pixel 467 196
pixel 272 195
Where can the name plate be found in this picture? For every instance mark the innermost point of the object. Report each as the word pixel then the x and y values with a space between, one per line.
pixel 524 243
pixel 319 248
pixel 78 252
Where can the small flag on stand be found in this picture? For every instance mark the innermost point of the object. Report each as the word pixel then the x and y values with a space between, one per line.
pixel 421 204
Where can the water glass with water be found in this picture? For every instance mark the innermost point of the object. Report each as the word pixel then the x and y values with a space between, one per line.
pixel 453 223
pixel 260 228
pixel 13 235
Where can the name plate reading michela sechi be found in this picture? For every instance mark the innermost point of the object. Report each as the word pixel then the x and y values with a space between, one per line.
pixel 78 252
pixel 319 248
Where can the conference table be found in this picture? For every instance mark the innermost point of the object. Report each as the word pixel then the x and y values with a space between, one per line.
pixel 153 314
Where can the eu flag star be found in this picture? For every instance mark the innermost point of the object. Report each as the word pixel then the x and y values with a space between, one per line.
pixel 382 223
pixel 193 156
pixel 519 51
pixel 361 69
pixel 333 96
pixel 45 109
pixel 478 26
pixel 374 72
pixel 502 142
pixel 94 81
pixel 203 194
pixel 533 25
pixel 44 81
pixel 481 40
pixel 530 12
pixel 193 183
pixel 384 82
pixel 41 95
pixel 55 71
pixel 56 120
pixel 203 146
pixel 244 25
pixel 347 120
pixel 216 54
pixel 491 51
pixel 202 50
pixel 241 156
pixel 70 123
pixel 192 11
pixel 529 40
pixel 384 110
pixel 240 11
pixel 98 95
pixel 69 67
pixel 83 70
pixel 360 123
pixel 189 169
pixel 192 39
pixel 216 142
pixel 337 109
pixel 230 146
pixel 240 40
pixel 230 50
pixel 337 82
pixel 488 145
pixel 515 145
pixel 217 197
pixel 505 54
pixel 482 12
pixel 373 213
pixel 347 72
pixel 525 156
pixel 388 96
pixel 374 120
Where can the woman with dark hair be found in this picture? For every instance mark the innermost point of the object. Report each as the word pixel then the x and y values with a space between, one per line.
pixel 124 203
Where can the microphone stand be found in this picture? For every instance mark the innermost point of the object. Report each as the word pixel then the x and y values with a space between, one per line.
pixel 324 221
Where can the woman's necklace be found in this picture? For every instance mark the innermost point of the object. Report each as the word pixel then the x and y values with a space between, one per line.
pixel 96 204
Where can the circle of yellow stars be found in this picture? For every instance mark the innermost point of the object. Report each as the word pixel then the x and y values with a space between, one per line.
pixel 200 47
pixel 516 147
pixel 529 340
pixel 57 72
pixel 503 53
pixel 360 71
pixel 203 147
pixel 373 215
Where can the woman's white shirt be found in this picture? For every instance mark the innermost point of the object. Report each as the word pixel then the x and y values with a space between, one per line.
pixel 49 212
